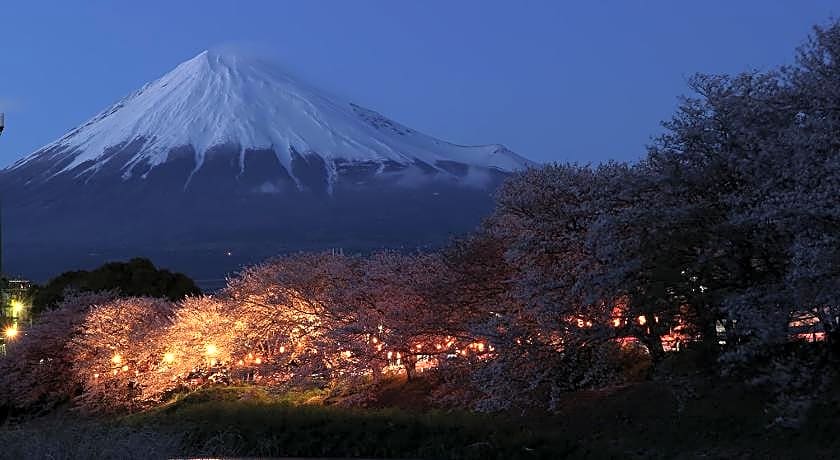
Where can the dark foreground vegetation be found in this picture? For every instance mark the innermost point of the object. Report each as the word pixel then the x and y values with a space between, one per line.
pixel 720 418
pixel 685 306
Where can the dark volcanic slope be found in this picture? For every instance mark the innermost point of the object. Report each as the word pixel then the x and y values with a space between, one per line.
pixel 76 224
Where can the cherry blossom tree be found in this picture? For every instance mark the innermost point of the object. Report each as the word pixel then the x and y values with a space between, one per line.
pixel 557 319
pixel 758 152
pixel 37 371
pixel 204 341
pixel 287 305
pixel 118 346
pixel 398 317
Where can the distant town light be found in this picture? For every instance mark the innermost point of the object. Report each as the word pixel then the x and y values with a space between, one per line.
pixel 169 358
pixel 116 359
pixel 11 332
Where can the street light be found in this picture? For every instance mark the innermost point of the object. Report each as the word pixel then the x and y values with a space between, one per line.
pixel 17 307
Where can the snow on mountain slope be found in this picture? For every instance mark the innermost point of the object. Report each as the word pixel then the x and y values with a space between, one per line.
pixel 220 98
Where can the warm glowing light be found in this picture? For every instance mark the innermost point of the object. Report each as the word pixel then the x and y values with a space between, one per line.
pixel 480 347
pixel 11 332
pixel 419 347
pixel 96 375
pixel 282 349
pixel 616 322
pixel 251 355
pixel 169 358
pixel 17 307
pixel 390 354
pixel 116 359
pixel 642 320
pixel 375 340
pixel 258 361
pixel 241 362
pixel 125 368
pixel 438 346
pixel 211 349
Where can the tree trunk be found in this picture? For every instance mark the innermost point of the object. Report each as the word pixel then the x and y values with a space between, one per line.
pixel 410 367
pixel 653 342
pixel 710 348
pixel 376 367
pixel 708 330
pixel 832 339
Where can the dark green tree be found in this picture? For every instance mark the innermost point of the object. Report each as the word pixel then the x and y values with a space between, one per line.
pixel 137 277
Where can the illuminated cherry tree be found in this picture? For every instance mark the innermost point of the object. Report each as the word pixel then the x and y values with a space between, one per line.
pixel 287 305
pixel 120 344
pixel 37 370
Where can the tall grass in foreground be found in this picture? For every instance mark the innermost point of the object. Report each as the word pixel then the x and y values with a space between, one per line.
pixel 73 439
pixel 216 423
pixel 249 422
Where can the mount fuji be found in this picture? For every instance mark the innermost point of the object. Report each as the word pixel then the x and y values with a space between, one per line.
pixel 226 160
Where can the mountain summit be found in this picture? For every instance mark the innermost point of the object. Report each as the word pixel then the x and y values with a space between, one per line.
pixel 221 99
pixel 226 160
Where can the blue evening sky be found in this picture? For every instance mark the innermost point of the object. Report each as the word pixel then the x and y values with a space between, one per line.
pixel 553 80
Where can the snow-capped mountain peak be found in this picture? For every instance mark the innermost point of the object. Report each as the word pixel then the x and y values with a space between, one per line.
pixel 225 99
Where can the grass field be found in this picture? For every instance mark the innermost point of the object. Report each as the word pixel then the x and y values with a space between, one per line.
pixel 685 418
